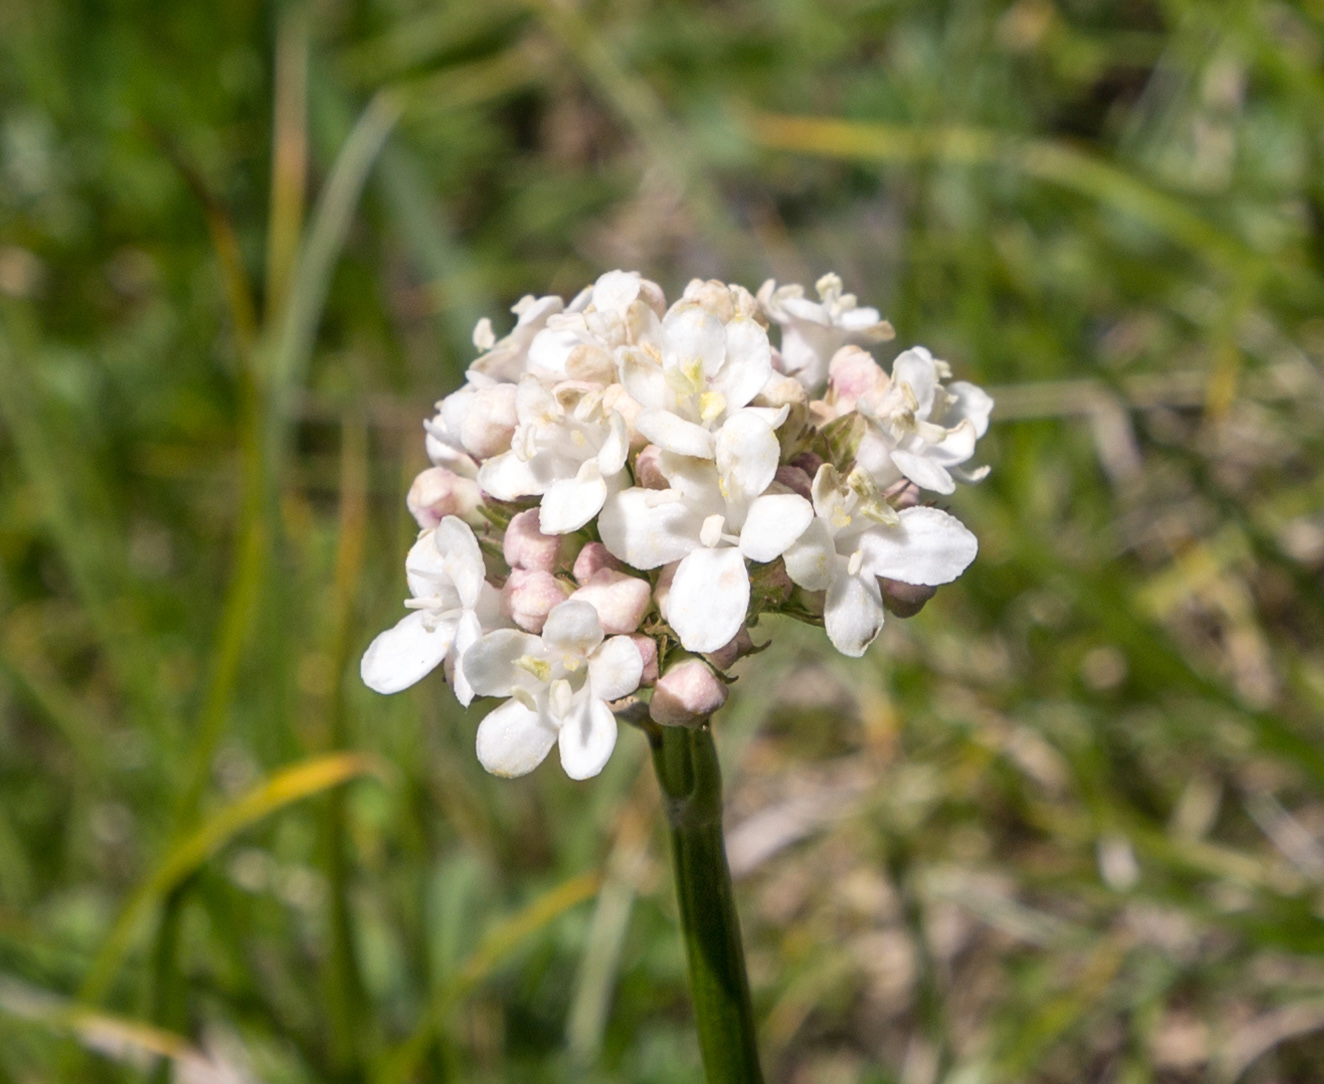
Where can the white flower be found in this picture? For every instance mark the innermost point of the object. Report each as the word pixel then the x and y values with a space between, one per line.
pixel 693 374
pixel 713 517
pixel 559 685
pixel 920 429
pixel 619 309
pixel 568 448
pixel 812 331
pixel 508 359
pixel 451 604
pixel 854 540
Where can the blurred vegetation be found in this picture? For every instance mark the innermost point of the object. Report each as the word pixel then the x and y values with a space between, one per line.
pixel 1066 825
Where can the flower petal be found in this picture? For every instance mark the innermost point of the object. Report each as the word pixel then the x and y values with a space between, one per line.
pixel 467 633
pixel 551 347
pixel 573 627
pixel 425 568
pixel 642 375
pixel 972 403
pixel 615 449
pixel 709 598
pixel 489 666
pixel 513 740
pixel 507 478
pixel 615 290
pixel 853 613
pixel 747 453
pixel 405 654
pixel 645 529
pixel 570 503
pixel 923 471
pixel 689 334
pixel 587 739
pixel 915 367
pixel 462 558
pixel 811 559
pixel 674 434
pixel 615 669
pixel 748 363
pixel 773 523
pixel 928 547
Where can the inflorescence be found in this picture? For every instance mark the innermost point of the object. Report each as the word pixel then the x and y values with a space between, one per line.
pixel 621 489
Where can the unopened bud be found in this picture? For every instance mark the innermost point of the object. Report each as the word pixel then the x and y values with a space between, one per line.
pixel 808 462
pixel 489 421
pixel 621 600
pixel 437 493
pixel 687 694
pixel 797 481
pixel 905 599
pixel 902 494
pixel 648 468
pixel 648 652
pixel 526 547
pixel 740 646
pixel 529 597
pixel 592 559
pixel 853 374
pixel 590 363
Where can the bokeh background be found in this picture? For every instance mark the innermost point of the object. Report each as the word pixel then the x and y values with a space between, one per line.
pixel 1067 825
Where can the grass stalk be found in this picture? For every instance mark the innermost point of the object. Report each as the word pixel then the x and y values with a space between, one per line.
pixel 691 780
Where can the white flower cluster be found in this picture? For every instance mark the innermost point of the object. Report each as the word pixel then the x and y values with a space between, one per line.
pixel 622 488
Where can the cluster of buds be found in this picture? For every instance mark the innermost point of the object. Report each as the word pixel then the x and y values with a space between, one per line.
pixel 621 489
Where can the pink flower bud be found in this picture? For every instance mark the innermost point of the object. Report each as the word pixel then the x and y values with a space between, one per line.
pixel 529 597
pixel 853 374
pixel 687 694
pixel 526 547
pixel 905 599
pixel 438 493
pixel 489 421
pixel 740 646
pixel 648 652
pixel 648 470
pixel 621 600
pixel 592 559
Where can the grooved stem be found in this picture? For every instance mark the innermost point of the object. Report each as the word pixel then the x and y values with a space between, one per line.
pixel 687 770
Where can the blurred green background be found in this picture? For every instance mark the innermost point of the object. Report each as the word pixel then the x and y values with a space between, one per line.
pixel 1065 826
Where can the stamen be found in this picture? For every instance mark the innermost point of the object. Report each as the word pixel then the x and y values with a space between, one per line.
pixel 856 563
pixel 539 668
pixel 710 534
pixel 711 405
pixel 559 697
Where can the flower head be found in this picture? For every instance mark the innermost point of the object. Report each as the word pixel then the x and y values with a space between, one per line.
pixel 621 487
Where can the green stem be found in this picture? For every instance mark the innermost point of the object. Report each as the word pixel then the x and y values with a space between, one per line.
pixel 691 780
